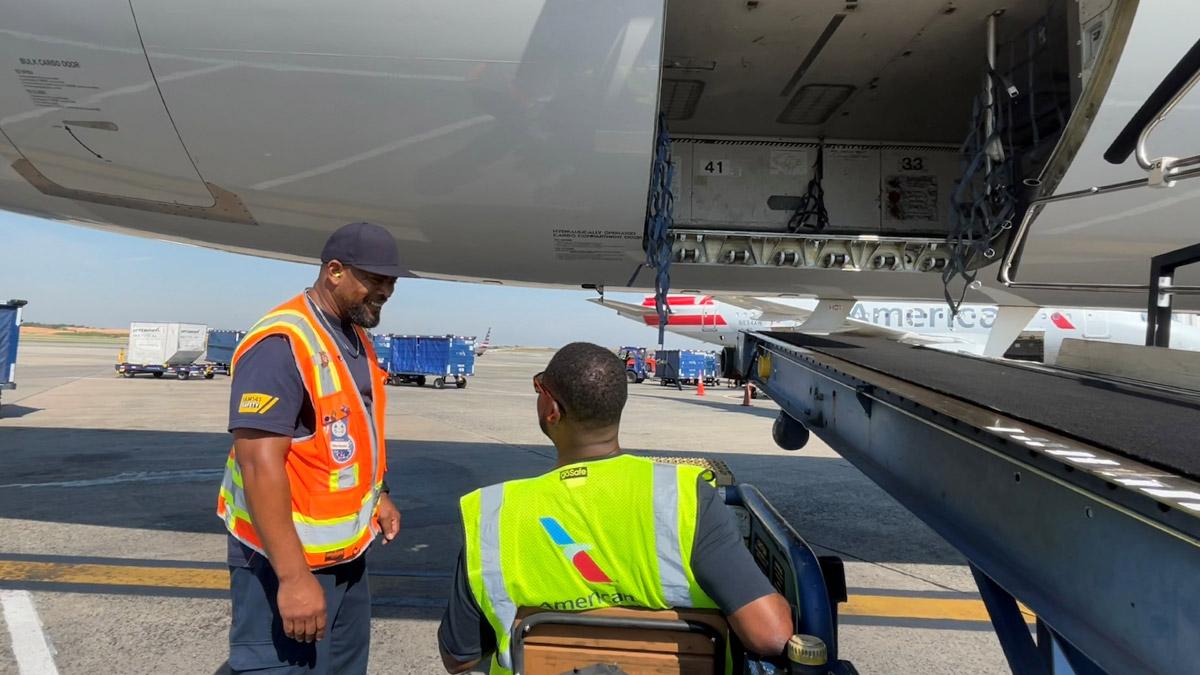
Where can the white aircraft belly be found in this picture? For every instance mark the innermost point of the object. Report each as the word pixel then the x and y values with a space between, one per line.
pixel 80 105
pixel 498 141
pixel 487 135
pixel 507 142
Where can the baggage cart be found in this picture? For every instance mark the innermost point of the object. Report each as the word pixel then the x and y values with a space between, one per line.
pixel 417 359
pixel 680 367
pixel 221 346
pixel 10 334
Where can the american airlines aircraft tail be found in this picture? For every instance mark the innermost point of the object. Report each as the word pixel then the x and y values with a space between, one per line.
pixel 718 321
pixel 486 344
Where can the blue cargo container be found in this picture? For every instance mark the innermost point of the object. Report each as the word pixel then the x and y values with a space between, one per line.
pixel 221 346
pixel 383 349
pixel 685 366
pixel 416 358
pixel 10 334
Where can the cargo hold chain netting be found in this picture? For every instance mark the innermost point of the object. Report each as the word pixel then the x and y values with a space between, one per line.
pixel 984 203
pixel 1013 129
pixel 659 217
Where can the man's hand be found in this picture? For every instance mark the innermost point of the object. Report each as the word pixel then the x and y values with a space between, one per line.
pixel 301 600
pixel 302 607
pixel 389 518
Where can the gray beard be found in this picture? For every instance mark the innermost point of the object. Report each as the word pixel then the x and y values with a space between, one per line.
pixel 361 316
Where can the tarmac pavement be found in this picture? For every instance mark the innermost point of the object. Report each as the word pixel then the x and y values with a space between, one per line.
pixel 108 532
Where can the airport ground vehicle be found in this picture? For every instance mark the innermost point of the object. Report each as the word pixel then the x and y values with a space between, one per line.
pixel 1068 490
pixel 10 336
pixel 415 359
pixel 685 367
pixel 181 372
pixel 159 349
pixel 637 366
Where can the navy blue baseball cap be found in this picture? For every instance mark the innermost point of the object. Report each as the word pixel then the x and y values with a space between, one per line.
pixel 367 246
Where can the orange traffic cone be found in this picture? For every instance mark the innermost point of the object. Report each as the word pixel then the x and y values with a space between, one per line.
pixel 746 397
pixel 700 387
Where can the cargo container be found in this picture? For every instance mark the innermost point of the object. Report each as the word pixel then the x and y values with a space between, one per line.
pixel 159 349
pixel 383 349
pixel 685 366
pixel 10 335
pixel 416 358
pixel 221 346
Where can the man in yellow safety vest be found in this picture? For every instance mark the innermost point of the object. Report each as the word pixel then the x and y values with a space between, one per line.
pixel 603 529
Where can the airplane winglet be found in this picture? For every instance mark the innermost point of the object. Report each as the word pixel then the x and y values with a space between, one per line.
pixel 623 308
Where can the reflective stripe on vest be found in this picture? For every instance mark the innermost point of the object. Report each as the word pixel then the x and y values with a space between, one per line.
pixel 368 353
pixel 490 501
pixel 297 324
pixel 318 535
pixel 673 571
pixel 333 512
pixel 666 536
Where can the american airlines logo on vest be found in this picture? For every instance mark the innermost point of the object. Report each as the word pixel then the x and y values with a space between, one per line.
pixel 575 552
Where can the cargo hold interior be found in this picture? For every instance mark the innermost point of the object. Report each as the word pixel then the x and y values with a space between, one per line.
pixel 887 99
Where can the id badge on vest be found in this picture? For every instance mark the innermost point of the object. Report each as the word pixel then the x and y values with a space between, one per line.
pixel 341 445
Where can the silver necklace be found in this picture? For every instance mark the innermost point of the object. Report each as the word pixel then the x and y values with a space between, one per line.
pixel 339 337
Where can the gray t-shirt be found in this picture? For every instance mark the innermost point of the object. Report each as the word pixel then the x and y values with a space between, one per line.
pixel 721 563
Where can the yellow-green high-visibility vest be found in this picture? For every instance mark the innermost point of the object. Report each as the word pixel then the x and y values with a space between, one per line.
pixel 608 533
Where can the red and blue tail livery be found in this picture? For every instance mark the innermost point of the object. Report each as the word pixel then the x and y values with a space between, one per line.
pixel 575 552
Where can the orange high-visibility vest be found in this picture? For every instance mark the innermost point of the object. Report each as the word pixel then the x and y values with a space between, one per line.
pixel 336 473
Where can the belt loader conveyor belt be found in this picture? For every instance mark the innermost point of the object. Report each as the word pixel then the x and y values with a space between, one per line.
pixel 1034 475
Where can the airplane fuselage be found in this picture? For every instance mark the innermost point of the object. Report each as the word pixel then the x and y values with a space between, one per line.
pixel 709 320
pixel 514 144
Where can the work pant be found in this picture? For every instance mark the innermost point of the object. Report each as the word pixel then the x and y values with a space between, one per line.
pixel 256 639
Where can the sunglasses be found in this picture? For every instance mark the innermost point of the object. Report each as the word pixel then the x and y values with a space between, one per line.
pixel 540 387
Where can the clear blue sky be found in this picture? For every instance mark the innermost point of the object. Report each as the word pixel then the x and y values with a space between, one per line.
pixel 72 274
